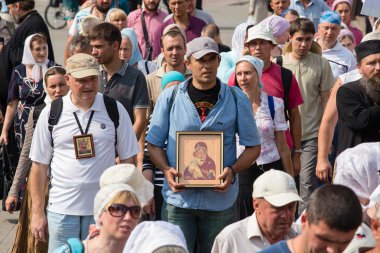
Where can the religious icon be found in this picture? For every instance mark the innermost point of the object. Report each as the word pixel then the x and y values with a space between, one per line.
pixel 199 158
pixel 84 146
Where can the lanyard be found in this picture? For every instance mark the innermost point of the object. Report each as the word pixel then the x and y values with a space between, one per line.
pixel 88 123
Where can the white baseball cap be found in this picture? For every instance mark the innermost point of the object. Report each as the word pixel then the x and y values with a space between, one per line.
pixel 261 31
pixel 276 187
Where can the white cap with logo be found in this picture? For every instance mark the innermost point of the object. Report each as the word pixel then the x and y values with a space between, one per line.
pixel 276 187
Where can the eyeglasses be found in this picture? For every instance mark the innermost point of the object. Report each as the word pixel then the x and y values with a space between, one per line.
pixel 119 210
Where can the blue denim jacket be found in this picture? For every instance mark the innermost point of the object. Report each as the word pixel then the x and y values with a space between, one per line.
pixel 184 117
pixel 313 11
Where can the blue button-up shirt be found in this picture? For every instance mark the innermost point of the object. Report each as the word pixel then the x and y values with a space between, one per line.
pixel 312 11
pixel 227 115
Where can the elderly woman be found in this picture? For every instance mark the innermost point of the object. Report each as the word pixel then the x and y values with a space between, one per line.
pixel 280 28
pixel 117 211
pixel 344 8
pixel 55 86
pixel 271 124
pixel 25 88
pixel 130 52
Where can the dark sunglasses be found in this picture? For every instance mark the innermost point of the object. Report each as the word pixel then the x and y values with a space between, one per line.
pixel 119 210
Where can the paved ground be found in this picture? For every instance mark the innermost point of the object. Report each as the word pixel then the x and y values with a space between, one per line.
pixel 227 14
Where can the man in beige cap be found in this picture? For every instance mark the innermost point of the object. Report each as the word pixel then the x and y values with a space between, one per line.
pixel 78 147
pixel 275 200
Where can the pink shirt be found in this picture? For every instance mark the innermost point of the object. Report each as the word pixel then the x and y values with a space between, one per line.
pixel 271 79
pixel 153 23
pixel 358 35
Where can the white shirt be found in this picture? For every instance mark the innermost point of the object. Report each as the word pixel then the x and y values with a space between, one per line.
pixel 341 59
pixel 74 181
pixel 351 76
pixel 245 236
pixel 267 127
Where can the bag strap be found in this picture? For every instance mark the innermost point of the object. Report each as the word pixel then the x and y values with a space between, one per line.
pixel 113 112
pixel 55 113
pixel 271 106
pixel 76 245
pixel 146 68
pixel 279 60
pixel 146 37
pixel 286 78
pixel 36 113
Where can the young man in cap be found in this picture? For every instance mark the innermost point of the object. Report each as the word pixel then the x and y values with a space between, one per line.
pixel 340 58
pixel 260 42
pixel 29 22
pixel 202 103
pixel 332 216
pixel 358 101
pixel 275 206
pixel 75 176
pixel 315 78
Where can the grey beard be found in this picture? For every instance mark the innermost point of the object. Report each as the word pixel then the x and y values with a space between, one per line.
pixel 372 88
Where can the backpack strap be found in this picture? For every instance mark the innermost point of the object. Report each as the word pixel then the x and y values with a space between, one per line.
pixel 36 113
pixel 271 106
pixel 113 112
pixel 279 60
pixel 76 245
pixel 55 113
pixel 286 78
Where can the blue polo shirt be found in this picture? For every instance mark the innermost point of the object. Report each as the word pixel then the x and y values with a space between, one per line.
pixel 226 115
pixel 313 11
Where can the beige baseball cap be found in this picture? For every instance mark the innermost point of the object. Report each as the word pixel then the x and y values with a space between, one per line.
pixel 82 65
pixel 276 187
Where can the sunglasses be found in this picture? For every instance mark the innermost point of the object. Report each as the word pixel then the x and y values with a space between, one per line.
pixel 119 210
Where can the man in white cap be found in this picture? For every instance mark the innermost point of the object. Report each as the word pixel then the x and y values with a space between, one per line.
pixel 83 141
pixel 202 103
pixel 275 200
pixel 279 82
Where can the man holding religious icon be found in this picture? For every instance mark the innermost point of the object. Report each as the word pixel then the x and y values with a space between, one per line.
pixel 78 148
pixel 202 103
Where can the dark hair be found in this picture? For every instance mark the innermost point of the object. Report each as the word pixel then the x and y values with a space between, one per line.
pixel 211 31
pixel 79 42
pixel 174 32
pixel 105 31
pixel 302 25
pixel 337 206
pixel 27 5
pixel 292 12
pixel 54 71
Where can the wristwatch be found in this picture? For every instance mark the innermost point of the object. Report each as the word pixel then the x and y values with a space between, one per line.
pixel 299 151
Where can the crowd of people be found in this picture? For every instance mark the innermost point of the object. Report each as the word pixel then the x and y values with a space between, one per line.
pixel 153 135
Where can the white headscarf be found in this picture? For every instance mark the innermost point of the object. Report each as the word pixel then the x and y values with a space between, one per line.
pixel 151 235
pixel 257 63
pixel 238 39
pixel 28 59
pixel 358 168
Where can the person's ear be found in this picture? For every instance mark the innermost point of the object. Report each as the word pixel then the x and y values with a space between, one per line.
pixel 256 204
pixel 188 63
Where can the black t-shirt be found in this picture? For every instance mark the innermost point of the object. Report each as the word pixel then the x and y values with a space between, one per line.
pixel 204 100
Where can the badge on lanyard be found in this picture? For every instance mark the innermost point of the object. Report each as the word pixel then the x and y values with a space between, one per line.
pixel 84 143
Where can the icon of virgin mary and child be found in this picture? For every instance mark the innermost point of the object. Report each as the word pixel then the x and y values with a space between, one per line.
pixel 202 166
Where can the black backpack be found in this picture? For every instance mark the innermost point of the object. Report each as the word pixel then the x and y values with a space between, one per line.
pixel 286 78
pixel 56 110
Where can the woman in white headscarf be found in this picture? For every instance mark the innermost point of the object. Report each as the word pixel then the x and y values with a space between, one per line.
pixel 25 88
pixel 229 59
pixel 55 86
pixel 271 125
